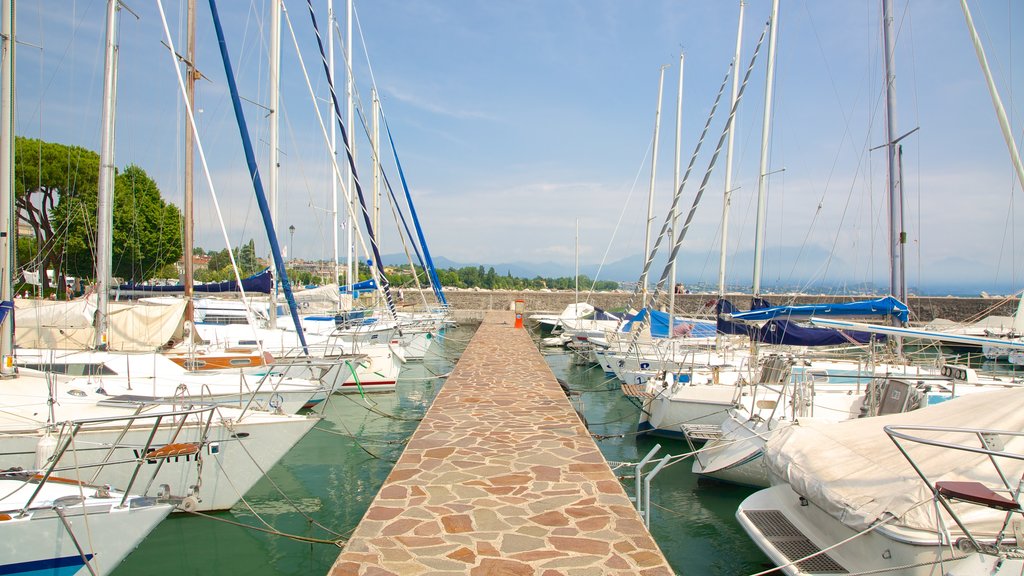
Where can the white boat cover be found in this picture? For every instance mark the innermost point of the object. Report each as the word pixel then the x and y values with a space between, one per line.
pixel 855 472
pixel 136 326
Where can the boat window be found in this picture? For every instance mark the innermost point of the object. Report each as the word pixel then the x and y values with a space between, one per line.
pixel 73 369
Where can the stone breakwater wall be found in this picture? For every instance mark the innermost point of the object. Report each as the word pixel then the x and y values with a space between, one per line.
pixel 470 305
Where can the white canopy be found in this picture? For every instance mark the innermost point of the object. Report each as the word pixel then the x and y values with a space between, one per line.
pixel 135 326
pixel 855 472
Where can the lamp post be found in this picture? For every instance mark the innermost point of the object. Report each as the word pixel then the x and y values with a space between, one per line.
pixel 291 241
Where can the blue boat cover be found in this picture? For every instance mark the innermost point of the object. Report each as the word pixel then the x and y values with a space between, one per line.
pixel 363 286
pixel 659 325
pixel 787 332
pixel 887 306
pixel 260 282
pixel 6 307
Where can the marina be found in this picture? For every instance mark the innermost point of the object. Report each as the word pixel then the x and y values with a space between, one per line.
pixel 334 474
pixel 772 385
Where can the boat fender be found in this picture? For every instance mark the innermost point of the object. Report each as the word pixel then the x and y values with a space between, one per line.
pixel 45 448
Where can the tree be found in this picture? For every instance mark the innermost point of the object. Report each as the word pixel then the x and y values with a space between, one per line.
pixel 147 230
pixel 56 194
pixel 53 184
pixel 248 263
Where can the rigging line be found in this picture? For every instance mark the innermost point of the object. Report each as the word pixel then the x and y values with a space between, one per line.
pixel 254 174
pixel 618 223
pixel 678 192
pixel 206 171
pixel 346 139
pixel 704 183
pixel 340 542
pixel 291 502
pixel 380 412
pixel 323 129
pixel 426 260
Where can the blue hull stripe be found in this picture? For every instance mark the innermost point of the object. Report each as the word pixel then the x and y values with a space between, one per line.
pixel 51 566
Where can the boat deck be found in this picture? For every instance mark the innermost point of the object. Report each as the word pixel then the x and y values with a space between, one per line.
pixel 501 477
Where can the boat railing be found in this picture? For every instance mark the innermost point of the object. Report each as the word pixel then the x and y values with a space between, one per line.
pixel 990 443
pixel 69 430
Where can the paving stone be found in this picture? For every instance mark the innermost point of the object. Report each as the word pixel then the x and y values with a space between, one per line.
pixel 501 479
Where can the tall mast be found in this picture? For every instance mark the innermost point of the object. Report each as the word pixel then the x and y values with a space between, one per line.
pixel 349 180
pixel 334 143
pixel 762 172
pixel 189 225
pixel 272 173
pixel 997 102
pixel 1004 126
pixel 650 194
pixel 7 221
pixel 375 105
pixel 675 186
pixel 727 194
pixel 897 237
pixel 105 197
pixel 577 275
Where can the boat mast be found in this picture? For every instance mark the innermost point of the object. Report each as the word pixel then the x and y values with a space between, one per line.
pixel 577 276
pixel 375 105
pixel 349 180
pixel 675 186
pixel 650 194
pixel 7 221
pixel 1004 126
pixel 189 226
pixel 762 178
pixel 272 173
pixel 897 237
pixel 727 195
pixel 105 197
pixel 334 144
pixel 997 102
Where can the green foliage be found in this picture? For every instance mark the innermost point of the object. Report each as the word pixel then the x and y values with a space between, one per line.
pixel 167 271
pixel 147 230
pixel 218 269
pixel 26 250
pixel 476 277
pixel 54 187
pixel 56 192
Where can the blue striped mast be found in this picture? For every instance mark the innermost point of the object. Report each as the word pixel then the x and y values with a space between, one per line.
pixel 254 172
pixel 379 264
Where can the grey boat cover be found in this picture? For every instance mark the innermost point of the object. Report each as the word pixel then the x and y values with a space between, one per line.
pixel 855 472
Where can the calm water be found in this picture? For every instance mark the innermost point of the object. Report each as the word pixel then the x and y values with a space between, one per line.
pixel 322 488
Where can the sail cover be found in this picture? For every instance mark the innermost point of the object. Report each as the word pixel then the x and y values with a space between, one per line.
pixel 887 306
pixel 364 286
pixel 132 326
pixel 261 283
pixel 659 325
pixel 782 331
pixel 855 473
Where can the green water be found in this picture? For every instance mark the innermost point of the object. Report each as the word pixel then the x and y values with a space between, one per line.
pixel 322 488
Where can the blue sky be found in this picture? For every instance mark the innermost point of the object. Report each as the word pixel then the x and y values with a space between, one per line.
pixel 513 119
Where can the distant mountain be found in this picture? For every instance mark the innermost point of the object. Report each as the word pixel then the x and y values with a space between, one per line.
pixel 953 276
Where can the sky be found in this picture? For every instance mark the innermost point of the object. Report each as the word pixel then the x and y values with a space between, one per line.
pixel 514 120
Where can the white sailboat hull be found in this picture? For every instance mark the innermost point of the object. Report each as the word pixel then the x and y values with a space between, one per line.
pixel 767 512
pixel 39 543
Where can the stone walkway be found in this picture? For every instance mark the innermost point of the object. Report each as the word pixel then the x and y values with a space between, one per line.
pixel 501 478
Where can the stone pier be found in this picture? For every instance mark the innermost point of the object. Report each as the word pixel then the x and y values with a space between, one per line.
pixel 501 478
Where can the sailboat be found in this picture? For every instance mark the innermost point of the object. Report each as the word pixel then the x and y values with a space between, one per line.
pixel 932 491
pixel 239 444
pixel 49 524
